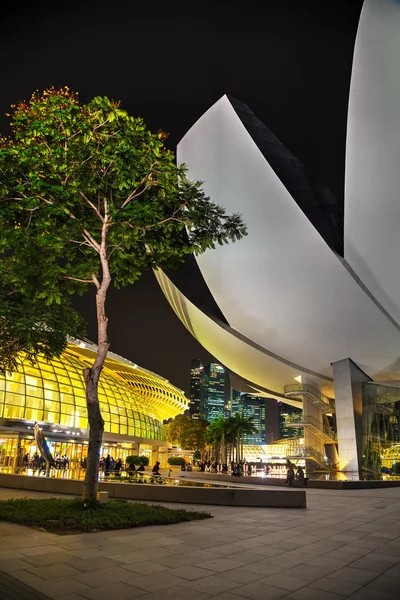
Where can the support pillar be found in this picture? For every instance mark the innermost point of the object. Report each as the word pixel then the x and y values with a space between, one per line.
pixel 348 381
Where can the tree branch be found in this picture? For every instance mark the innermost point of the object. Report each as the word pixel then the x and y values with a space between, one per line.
pixel 97 211
pixel 77 279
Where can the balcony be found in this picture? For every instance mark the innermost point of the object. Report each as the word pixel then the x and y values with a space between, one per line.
pixel 312 394
pixel 299 420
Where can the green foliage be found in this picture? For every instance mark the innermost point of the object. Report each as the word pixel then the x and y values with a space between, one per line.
pixel 88 193
pixel 137 460
pixel 176 460
pixel 63 161
pixel 187 433
pixel 66 516
pixel 33 327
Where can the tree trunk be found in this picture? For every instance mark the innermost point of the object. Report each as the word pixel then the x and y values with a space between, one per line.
pixel 96 429
pixel 92 375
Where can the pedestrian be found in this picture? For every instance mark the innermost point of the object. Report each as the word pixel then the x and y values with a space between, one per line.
pixel 290 476
pixel 300 477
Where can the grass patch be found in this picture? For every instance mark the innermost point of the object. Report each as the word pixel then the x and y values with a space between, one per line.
pixel 64 516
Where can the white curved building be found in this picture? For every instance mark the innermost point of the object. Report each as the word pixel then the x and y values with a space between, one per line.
pixel 309 296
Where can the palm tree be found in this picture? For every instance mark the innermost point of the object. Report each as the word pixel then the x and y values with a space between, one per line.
pixel 242 425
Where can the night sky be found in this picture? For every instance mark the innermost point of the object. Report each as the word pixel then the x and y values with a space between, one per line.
pixel 168 62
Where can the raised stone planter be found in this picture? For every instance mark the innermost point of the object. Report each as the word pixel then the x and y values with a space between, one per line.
pixel 164 493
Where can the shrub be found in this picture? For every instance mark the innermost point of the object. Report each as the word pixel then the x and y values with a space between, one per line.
pixel 62 516
pixel 137 460
pixel 176 460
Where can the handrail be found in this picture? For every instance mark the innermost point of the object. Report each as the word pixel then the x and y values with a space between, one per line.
pixel 300 389
pixel 301 418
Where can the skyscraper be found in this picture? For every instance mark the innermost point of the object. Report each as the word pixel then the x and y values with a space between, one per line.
pixel 195 388
pixel 286 410
pixel 212 392
pixel 251 406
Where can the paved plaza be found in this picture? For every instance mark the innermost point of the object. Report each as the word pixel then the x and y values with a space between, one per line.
pixel 346 544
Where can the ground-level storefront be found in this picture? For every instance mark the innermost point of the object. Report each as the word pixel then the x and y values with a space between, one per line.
pixel 17 441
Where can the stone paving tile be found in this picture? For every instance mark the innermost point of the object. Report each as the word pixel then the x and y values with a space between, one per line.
pixel 385 583
pixel 118 590
pixel 284 581
pixel 241 576
pixel 350 574
pixel 145 568
pixel 14 564
pixel 327 584
pixel 369 564
pixel 308 593
pixel 102 577
pixel 43 560
pixel 177 593
pixel 220 564
pixel 155 583
pixel 190 572
pixel 370 594
pixel 309 573
pixel 228 596
pixel 213 584
pixel 327 563
pixel 260 591
pixel 264 568
pixel 61 585
pixel 53 571
pixel 394 571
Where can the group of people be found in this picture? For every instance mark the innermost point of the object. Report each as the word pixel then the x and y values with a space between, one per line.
pixel 299 477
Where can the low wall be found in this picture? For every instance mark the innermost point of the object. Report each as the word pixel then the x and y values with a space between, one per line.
pixel 280 482
pixel 164 493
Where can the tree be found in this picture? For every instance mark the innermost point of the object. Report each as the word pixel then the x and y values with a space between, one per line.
pixel 242 425
pixel 90 196
pixel 187 433
pixel 32 327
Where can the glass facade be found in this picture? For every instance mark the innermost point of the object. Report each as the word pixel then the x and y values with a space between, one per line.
pixel 380 428
pixel 133 401
pixel 212 402
pixel 195 375
pixel 254 407
pixel 285 411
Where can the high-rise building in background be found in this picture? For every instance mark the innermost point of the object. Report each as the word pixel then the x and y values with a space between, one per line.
pixel 195 388
pixel 212 392
pixel 285 410
pixel 254 407
pixel 271 420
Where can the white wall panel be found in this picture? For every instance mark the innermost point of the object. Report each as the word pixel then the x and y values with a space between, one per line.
pixel 372 191
pixel 281 286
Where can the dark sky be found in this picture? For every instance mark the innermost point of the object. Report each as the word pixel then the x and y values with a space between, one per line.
pixel 168 62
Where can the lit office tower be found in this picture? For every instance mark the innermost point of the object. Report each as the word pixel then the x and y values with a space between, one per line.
pixel 194 403
pixel 285 410
pixel 251 406
pixel 212 392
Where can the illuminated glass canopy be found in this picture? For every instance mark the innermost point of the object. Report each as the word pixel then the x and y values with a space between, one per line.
pixel 133 401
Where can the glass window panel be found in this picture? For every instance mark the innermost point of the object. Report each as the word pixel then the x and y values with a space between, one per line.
pixel 67 399
pixel 51 417
pixel 34 414
pixel 79 391
pixel 114 428
pixel 67 409
pixel 34 391
pixel 48 367
pixel 17 377
pixel 50 385
pixel 64 381
pixel 33 381
pixel 16 399
pixel 13 412
pixel 49 376
pixel 18 388
pixel 2 384
pixel 51 395
pixel 32 402
pixel 51 406
pixel 81 402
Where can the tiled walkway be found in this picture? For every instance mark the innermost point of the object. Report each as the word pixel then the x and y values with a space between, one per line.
pixel 346 544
